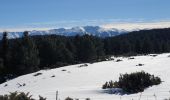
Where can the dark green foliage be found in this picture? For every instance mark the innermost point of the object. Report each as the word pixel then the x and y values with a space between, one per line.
pixel 42 98
pixel 54 52
pixel 30 59
pixel 68 98
pixel 109 84
pixel 139 42
pixel 137 82
pixel 28 54
pixel 167 99
pixel 105 86
pixel 134 82
pixel 87 98
pixel 37 74
pixel 16 96
pixel 1 66
pixel 4 54
pixel 31 53
pixel 5 48
pixel 19 96
pixel 25 56
pixel 86 49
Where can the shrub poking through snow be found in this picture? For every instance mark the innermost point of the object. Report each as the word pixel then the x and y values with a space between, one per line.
pixel 37 74
pixel 53 76
pixel 140 65
pixel 167 99
pixel 19 96
pixel 118 60
pixel 134 82
pixel 87 98
pixel 109 84
pixel 63 70
pixel 84 65
pixel 5 85
pixel 42 98
pixel 68 98
pixel 153 55
pixel 131 58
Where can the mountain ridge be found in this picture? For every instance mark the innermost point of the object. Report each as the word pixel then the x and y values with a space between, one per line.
pixel 91 30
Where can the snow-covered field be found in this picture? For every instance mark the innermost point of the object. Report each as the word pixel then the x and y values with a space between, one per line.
pixel 86 82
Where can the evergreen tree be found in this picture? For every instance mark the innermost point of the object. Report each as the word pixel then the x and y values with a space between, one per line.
pixel 71 47
pixel 5 56
pixel 30 53
pixel 1 66
pixel 87 50
pixel 66 55
pixel 76 41
pixel 99 46
pixel 26 60
pixel 47 52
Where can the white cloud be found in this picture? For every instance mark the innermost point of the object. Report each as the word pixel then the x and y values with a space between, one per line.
pixel 127 24
pixel 22 29
pixel 138 25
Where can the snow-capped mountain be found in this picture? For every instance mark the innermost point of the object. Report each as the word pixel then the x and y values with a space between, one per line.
pixel 91 30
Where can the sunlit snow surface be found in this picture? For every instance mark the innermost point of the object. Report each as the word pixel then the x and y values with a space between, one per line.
pixel 86 82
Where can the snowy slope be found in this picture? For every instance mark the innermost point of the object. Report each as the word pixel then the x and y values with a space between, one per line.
pixel 86 82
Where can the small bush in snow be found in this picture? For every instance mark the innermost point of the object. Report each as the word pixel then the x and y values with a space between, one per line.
pixel 53 76
pixel 63 70
pixel 109 84
pixel 153 55
pixel 5 85
pixel 84 65
pixel 19 96
pixel 37 74
pixel 87 98
pixel 41 98
pixel 167 99
pixel 16 96
pixel 68 98
pixel 140 65
pixel 134 82
pixel 131 58
pixel 118 60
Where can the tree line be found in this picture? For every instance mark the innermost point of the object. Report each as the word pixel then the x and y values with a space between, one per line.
pixel 32 53
pixel 139 42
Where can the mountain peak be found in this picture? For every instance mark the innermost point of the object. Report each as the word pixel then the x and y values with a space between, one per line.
pixel 81 30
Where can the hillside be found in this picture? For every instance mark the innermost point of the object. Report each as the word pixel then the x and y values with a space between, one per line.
pixel 85 82
pixel 32 53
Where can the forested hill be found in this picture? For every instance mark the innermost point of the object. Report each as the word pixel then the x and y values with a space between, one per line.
pixel 139 42
pixel 29 54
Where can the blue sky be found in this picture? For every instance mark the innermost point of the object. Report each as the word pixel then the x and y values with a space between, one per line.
pixel 61 13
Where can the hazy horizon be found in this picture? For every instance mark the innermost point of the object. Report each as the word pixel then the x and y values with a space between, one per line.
pixel 129 26
pixel 38 14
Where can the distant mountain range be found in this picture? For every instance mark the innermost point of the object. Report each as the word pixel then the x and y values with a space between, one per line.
pixel 91 30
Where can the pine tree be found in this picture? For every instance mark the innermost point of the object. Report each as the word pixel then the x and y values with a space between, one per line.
pixel 99 46
pixel 1 66
pixel 26 59
pixel 30 54
pixel 5 56
pixel 87 50
pixel 66 56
